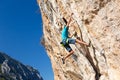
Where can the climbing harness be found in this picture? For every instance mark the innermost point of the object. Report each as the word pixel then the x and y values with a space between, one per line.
pixel 64 42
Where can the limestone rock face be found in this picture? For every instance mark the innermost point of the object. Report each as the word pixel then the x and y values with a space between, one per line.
pixel 97 22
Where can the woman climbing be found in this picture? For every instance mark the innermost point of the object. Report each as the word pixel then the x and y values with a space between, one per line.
pixel 66 40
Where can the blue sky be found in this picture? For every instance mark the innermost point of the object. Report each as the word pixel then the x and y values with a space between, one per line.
pixel 20 33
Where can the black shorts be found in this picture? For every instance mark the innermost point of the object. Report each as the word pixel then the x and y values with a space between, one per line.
pixel 67 46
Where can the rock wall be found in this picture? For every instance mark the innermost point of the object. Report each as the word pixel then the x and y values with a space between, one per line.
pixel 96 22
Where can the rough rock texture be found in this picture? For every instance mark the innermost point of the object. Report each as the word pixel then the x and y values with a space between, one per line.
pixel 96 22
pixel 11 69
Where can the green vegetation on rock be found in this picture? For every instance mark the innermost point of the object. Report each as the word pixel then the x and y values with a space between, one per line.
pixel 2 79
pixel 0 70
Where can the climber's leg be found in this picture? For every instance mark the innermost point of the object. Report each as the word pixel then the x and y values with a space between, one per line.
pixel 80 42
pixel 69 49
pixel 73 41
pixel 70 53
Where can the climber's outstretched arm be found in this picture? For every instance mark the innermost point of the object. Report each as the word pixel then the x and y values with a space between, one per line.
pixel 69 20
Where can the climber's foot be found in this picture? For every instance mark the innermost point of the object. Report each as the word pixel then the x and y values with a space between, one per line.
pixel 63 60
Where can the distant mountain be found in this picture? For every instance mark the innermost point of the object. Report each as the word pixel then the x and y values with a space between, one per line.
pixel 11 69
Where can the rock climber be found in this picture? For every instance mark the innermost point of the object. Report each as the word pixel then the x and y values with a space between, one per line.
pixel 67 40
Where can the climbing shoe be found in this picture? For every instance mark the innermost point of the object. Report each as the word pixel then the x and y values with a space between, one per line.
pixel 63 60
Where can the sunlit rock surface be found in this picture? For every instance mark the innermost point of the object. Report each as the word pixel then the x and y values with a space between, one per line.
pixel 96 22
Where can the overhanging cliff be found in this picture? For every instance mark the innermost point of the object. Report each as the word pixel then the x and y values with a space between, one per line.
pixel 96 22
